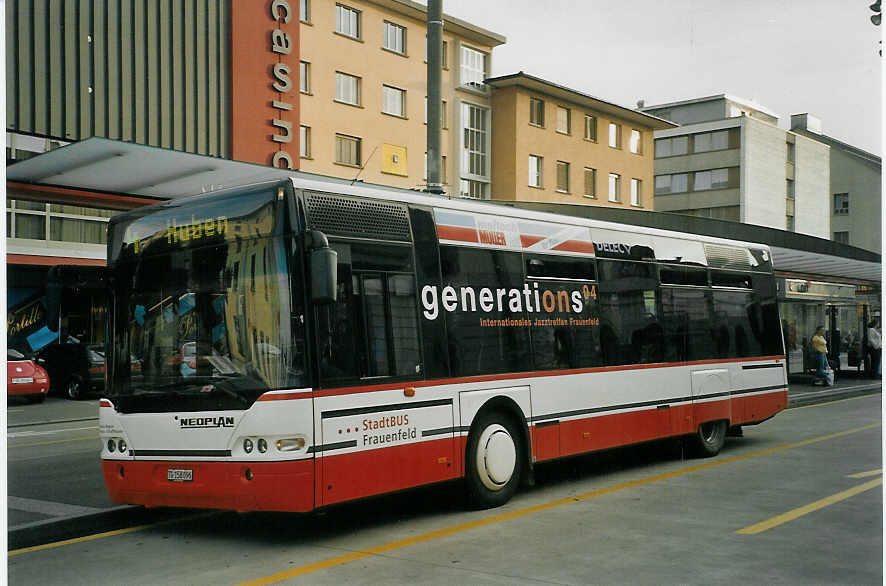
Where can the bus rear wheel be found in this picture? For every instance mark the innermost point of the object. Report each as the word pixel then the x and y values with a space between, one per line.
pixel 710 438
pixel 494 461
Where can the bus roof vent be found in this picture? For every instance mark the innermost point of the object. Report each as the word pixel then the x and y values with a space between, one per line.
pixel 727 257
pixel 360 218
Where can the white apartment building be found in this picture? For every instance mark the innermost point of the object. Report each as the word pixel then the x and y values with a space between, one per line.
pixel 729 160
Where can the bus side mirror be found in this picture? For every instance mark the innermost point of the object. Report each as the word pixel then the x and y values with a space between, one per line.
pixel 324 275
pixel 324 268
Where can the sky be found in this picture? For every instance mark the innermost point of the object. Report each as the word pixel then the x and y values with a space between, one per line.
pixel 790 56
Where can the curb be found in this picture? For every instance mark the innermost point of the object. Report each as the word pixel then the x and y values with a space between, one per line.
pixel 51 422
pixel 72 527
pixel 827 395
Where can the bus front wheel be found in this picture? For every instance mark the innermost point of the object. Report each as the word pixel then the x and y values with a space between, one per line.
pixel 494 461
pixel 709 439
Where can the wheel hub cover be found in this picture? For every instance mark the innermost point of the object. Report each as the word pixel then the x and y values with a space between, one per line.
pixel 497 458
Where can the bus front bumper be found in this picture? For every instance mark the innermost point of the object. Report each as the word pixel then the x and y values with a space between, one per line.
pixel 241 486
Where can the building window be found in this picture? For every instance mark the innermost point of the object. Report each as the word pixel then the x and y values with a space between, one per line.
pixel 841 203
pixel 564 120
pixel 60 222
pixel 615 135
pixel 789 223
pixel 475 149
pixel 394 38
pixel 304 11
pixel 347 150
pixel 790 190
pixel 347 88
pixel 791 152
pixel 536 112
pixel 711 141
pixel 393 101
pixel 304 138
pixel 563 176
pixel 443 120
pixel 444 52
pixel 347 21
pixel 471 189
pixel 636 144
pixel 841 237
pixel 614 187
pixel 676 183
pixel 442 169
pixel 590 182
pixel 590 128
pixel 713 179
pixel 474 67
pixel 535 166
pixel 304 75
pixel 672 147
pixel 636 192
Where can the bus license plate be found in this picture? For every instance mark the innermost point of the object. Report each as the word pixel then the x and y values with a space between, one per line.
pixel 173 475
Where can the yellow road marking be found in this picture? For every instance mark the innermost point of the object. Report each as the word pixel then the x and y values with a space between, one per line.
pixel 106 534
pixel 75 439
pixel 379 549
pixel 79 539
pixel 867 474
pixel 806 509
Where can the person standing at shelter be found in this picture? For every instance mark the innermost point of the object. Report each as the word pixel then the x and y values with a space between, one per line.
pixel 820 348
pixel 874 348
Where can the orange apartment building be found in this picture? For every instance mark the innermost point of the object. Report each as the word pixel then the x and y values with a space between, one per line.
pixel 363 81
pixel 556 145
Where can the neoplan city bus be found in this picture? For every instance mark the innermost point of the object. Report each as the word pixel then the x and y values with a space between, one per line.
pixel 291 345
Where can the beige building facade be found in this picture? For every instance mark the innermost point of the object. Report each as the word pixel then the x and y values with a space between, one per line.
pixel 552 144
pixel 363 88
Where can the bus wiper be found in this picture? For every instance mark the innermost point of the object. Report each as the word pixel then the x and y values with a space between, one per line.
pixel 222 386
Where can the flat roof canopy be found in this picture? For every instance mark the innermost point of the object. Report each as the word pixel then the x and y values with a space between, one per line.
pixel 109 166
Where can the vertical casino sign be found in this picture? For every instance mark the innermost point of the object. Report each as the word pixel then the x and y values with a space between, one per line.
pixel 264 94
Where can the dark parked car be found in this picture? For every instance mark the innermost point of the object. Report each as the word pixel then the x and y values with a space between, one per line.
pixel 74 369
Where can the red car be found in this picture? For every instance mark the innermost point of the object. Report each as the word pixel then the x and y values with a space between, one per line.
pixel 25 378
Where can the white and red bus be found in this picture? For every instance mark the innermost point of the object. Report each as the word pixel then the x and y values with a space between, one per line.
pixel 291 345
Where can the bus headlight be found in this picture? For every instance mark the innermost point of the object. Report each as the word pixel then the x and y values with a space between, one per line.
pixel 262 445
pixel 121 445
pixel 111 445
pixel 290 444
pixel 247 446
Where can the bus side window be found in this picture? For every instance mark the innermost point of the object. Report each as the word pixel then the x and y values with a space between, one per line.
pixel 499 346
pixel 630 328
pixel 686 317
pixel 372 329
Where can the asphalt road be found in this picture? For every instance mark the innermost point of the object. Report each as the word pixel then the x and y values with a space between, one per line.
pixel 798 499
pixel 53 469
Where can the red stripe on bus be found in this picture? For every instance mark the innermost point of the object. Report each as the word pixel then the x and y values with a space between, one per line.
pixel 457 233
pixel 530 374
pixel 286 396
pixel 104 403
pixel 527 240
pixel 576 246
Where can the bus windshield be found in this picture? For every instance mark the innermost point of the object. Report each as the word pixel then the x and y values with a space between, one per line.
pixel 205 328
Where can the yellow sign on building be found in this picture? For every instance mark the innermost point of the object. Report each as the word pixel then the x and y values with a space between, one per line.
pixel 394 159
